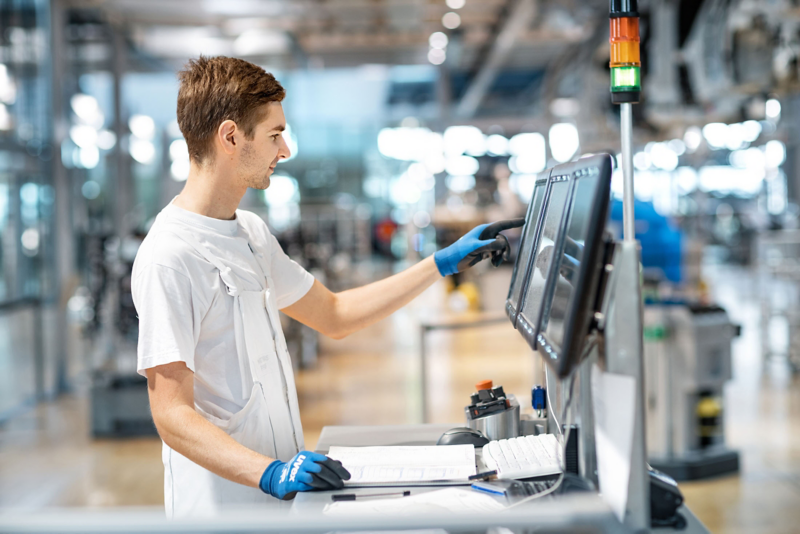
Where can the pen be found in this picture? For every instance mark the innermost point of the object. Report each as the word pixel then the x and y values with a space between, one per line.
pixel 483 476
pixel 353 496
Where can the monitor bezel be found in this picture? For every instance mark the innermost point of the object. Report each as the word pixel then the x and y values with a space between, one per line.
pixel 530 331
pixel 580 314
pixel 542 177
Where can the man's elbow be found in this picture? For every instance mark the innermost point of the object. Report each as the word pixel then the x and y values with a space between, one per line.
pixel 164 424
pixel 336 334
pixel 336 326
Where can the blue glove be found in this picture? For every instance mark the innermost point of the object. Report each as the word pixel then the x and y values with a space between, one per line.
pixel 478 244
pixel 306 471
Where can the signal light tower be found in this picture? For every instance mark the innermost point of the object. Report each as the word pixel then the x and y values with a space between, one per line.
pixel 626 85
pixel 626 78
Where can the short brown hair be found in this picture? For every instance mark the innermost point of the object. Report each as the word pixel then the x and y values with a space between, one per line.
pixel 215 89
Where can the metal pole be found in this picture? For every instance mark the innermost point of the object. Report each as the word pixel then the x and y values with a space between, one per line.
pixel 628 218
pixel 423 373
pixel 64 237
pixel 38 347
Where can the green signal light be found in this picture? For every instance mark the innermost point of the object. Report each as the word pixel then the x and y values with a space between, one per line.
pixel 626 79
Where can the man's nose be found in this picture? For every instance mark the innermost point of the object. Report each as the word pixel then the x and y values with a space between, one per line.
pixel 283 150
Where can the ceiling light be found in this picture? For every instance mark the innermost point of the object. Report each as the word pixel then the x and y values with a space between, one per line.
pixel 142 126
pixel 82 135
pixel 752 129
pixel 6 122
pixel 692 138
pixel 528 163
pixel 8 89
pixel 438 40
pixel 463 140
pixel 451 20
pixel 774 154
pixel 89 157
pixel 663 157
pixel 142 150
pixel 178 149
pixel 455 4
pixel 564 141
pixel 259 41
pixel 461 165
pixel 85 107
pixel 436 56
pixel 773 109
pixel 179 169
pixel 677 146
pixel 282 190
pixel 716 134
pixel 642 161
pixel 106 139
pixel 460 183
pixel 497 145
pixel 527 143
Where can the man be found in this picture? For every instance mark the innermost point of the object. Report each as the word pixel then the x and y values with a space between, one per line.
pixel 208 282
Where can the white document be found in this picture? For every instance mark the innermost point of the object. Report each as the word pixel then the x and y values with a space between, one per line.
pixel 614 404
pixel 369 465
pixel 455 500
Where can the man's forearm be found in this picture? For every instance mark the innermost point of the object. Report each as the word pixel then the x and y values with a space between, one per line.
pixel 188 433
pixel 362 306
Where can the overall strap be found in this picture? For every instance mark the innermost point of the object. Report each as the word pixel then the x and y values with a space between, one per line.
pixel 263 265
pixel 225 272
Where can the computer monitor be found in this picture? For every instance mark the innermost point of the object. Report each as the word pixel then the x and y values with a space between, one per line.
pixel 576 264
pixel 547 232
pixel 530 233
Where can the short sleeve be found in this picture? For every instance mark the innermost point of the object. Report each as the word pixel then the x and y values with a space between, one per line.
pixel 164 304
pixel 291 281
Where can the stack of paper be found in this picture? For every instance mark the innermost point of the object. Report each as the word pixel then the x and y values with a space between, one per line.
pixel 387 465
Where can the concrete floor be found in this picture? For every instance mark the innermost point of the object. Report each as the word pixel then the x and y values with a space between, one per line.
pixel 47 458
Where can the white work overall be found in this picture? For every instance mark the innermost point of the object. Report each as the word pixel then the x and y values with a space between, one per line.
pixel 270 421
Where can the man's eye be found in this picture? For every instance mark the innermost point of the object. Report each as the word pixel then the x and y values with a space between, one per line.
pixel 276 136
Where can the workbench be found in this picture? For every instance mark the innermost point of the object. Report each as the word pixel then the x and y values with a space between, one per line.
pixel 564 513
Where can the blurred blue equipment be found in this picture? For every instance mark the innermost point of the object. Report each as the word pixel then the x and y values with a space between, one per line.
pixel 661 242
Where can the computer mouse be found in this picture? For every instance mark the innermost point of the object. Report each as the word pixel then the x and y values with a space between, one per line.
pixel 463 436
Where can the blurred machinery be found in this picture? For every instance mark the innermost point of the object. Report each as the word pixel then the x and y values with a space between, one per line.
pixel 687 363
pixel 119 401
pixel 778 255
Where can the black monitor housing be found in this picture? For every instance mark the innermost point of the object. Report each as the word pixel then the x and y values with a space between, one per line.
pixel 554 305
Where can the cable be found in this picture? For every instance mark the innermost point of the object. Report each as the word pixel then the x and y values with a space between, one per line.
pixel 592 342
pixel 566 415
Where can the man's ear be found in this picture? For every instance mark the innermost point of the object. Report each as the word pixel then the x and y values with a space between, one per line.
pixel 228 136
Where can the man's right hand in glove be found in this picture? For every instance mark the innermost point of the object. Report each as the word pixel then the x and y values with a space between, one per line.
pixel 305 472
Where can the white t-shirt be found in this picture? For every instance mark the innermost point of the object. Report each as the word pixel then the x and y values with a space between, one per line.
pixel 185 312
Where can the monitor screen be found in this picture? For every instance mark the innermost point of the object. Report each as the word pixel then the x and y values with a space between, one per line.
pixel 530 306
pixel 527 245
pixel 566 272
pixel 571 294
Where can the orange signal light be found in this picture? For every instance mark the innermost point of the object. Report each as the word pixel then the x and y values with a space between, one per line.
pixel 625 42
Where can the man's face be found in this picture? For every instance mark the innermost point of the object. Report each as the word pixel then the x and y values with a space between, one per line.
pixel 259 156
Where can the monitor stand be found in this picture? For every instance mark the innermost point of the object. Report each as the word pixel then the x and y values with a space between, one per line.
pixel 614 355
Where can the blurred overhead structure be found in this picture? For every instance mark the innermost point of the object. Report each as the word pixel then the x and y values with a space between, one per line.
pixel 517 20
pixel 503 63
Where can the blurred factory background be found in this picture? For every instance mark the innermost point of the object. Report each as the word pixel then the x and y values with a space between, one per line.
pixel 410 121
